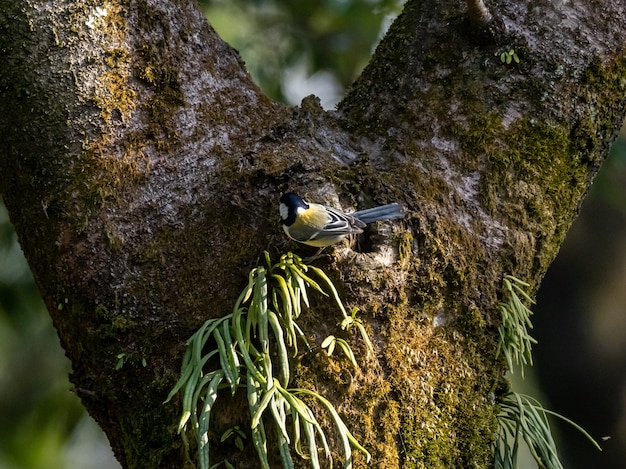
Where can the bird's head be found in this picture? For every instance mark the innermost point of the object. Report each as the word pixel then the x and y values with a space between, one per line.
pixel 290 205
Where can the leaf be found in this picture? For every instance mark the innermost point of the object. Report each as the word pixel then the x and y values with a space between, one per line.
pixel 250 366
pixel 230 371
pixel 343 432
pixel 283 357
pixel 209 400
pixel 332 288
pixel 261 406
pixel 329 344
pixel 327 341
pixel 259 440
pixel 347 351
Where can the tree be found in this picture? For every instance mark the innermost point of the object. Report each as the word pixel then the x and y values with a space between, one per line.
pixel 142 167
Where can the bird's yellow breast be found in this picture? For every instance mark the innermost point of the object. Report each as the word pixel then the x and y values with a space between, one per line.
pixel 315 217
pixel 308 224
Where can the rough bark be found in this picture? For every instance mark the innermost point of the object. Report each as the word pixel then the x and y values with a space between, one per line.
pixel 142 168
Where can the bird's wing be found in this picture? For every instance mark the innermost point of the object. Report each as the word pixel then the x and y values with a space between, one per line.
pixel 338 225
pixel 341 223
pixel 324 225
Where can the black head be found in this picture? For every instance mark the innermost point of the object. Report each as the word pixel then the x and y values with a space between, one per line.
pixel 289 205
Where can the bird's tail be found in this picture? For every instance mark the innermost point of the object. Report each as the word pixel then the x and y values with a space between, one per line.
pixel 384 212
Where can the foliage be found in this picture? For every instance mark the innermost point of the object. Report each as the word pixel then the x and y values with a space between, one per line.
pixel 515 341
pixel 236 351
pixel 521 415
pixel 524 416
pixel 283 40
pixel 509 56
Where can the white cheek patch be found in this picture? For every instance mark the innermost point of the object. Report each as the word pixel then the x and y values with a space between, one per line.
pixel 284 211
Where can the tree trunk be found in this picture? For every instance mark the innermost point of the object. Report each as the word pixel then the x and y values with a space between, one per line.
pixel 142 170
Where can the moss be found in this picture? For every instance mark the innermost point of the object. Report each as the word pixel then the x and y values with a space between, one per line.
pixel 162 77
pixel 531 183
pixel 430 406
pixel 592 131
pixel 103 312
pixel 112 323
pixel 115 239
pixel 404 242
pixel 118 97
pixel 114 96
pixel 145 440
pixel 113 93
pixel 443 397
pixel 107 177
pixel 122 324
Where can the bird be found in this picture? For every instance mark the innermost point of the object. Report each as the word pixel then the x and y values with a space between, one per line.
pixel 320 226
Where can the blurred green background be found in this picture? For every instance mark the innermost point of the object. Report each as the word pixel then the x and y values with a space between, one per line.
pixel 292 49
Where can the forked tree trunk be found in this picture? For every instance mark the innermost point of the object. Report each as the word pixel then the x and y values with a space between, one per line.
pixel 142 170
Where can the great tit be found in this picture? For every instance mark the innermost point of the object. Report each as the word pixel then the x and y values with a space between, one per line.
pixel 320 226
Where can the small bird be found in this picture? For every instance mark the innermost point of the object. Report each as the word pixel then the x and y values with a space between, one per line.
pixel 320 226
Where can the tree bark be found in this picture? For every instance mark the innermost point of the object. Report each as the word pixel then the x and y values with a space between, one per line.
pixel 142 168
